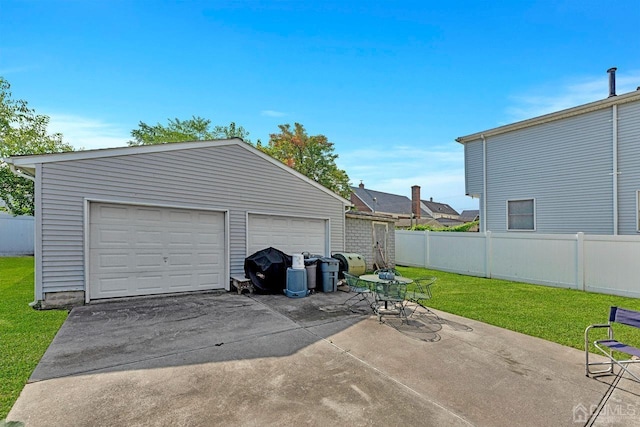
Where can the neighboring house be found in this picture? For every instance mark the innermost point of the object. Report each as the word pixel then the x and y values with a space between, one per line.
pixel 366 200
pixel 576 170
pixel 439 210
pixel 168 218
pixel 404 210
pixel 469 215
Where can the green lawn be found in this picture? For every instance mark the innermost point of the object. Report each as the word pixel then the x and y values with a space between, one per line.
pixel 25 333
pixel 554 314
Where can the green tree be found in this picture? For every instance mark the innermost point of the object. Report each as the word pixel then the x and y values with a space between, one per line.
pixel 22 132
pixel 312 156
pixel 176 130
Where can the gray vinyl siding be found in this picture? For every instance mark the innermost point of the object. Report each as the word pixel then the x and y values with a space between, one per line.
pixel 628 166
pixel 473 168
pixel 223 178
pixel 564 165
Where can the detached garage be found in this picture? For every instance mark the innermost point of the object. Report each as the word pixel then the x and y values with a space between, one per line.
pixel 178 217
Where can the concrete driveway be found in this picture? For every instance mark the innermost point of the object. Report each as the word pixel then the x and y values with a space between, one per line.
pixel 225 359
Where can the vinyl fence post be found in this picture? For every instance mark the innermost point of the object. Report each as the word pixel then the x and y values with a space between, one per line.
pixel 427 243
pixel 580 284
pixel 487 254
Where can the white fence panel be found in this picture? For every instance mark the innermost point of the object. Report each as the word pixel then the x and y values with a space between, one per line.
pixel 605 264
pixel 457 252
pixel 413 248
pixel 546 259
pixel 611 265
pixel 16 235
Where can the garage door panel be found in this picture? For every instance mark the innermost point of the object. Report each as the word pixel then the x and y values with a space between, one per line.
pixel 114 213
pixel 109 286
pixel 144 215
pixel 207 279
pixel 288 234
pixel 146 250
pixel 147 237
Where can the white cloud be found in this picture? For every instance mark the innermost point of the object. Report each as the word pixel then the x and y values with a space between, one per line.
pixel 555 98
pixel 88 133
pixel 272 113
pixel 14 70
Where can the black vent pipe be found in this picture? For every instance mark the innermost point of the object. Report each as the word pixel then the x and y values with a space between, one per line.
pixel 612 81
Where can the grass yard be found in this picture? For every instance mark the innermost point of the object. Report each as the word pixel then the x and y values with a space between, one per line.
pixel 554 314
pixel 25 333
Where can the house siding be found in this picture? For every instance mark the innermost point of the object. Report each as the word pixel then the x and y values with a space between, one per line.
pixel 564 165
pixel 225 178
pixel 628 166
pixel 473 168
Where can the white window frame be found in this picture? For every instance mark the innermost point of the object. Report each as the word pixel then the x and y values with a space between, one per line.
pixel 523 199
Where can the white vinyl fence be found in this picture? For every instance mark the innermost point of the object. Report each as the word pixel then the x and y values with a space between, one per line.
pixel 605 264
pixel 16 235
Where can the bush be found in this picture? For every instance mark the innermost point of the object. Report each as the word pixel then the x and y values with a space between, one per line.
pixel 458 228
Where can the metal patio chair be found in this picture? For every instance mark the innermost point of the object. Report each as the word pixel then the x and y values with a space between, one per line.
pixel 421 293
pixel 390 298
pixel 609 347
pixel 360 287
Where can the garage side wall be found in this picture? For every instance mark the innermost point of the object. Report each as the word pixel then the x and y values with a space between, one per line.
pixel 225 178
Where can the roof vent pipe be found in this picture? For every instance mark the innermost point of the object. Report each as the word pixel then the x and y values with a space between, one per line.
pixel 612 81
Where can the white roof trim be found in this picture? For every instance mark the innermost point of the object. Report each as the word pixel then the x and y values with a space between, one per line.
pixel 30 162
pixel 563 114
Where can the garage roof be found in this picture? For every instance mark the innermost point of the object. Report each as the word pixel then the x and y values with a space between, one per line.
pixel 27 164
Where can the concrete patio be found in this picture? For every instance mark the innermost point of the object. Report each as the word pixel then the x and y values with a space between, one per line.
pixel 225 359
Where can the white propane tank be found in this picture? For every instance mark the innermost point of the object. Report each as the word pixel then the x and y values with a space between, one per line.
pixel 297 262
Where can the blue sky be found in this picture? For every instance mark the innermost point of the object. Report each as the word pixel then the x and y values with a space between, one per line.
pixel 390 83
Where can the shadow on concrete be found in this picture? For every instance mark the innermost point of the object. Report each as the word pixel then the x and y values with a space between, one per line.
pixel 149 333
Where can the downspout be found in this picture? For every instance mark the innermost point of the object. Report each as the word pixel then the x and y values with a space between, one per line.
pixel 615 172
pixel 35 303
pixel 484 183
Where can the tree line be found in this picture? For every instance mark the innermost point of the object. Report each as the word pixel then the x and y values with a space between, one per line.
pixel 23 132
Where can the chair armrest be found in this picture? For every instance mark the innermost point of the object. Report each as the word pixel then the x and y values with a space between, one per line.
pixel 604 325
pixel 596 326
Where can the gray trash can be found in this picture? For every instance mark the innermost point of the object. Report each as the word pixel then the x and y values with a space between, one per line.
pixel 329 269
pixel 311 265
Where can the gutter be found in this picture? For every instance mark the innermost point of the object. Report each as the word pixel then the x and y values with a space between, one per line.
pixel 35 303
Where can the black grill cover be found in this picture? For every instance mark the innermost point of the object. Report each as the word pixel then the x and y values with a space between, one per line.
pixel 267 269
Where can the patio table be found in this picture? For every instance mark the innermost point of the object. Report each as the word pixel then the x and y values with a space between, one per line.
pixel 385 291
pixel 376 279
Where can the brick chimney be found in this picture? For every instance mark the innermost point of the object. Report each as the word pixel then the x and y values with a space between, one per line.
pixel 361 185
pixel 415 201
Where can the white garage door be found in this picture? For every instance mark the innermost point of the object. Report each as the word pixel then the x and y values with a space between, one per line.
pixel 140 250
pixel 288 234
